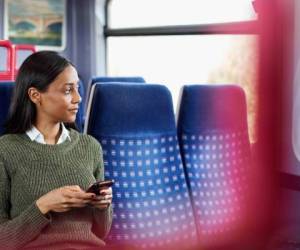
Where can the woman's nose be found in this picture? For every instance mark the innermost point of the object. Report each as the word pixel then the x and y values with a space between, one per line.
pixel 76 97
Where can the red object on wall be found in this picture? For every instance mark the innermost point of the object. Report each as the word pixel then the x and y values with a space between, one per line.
pixel 21 52
pixel 6 60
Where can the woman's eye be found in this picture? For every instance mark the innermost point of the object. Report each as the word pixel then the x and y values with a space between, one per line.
pixel 68 91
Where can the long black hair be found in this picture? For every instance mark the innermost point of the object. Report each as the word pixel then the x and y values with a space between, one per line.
pixel 38 71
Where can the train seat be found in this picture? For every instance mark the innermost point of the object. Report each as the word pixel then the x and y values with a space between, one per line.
pixel 6 89
pixel 135 125
pixel 214 143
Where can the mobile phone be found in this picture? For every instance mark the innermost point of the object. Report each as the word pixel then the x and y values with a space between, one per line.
pixel 95 188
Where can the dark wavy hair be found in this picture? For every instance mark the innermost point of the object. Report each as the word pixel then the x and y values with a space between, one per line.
pixel 39 70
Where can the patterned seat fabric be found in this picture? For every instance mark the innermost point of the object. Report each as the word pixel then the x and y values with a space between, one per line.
pixel 212 127
pixel 6 90
pixel 136 127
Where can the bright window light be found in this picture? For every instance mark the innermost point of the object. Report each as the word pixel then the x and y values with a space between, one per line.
pixel 143 13
pixel 178 60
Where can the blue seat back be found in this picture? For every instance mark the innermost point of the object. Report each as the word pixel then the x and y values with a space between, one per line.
pixel 135 125
pixel 107 79
pixel 6 90
pixel 213 135
pixel 110 79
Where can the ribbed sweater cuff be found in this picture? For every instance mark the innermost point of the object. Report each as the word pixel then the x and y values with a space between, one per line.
pixel 104 218
pixel 24 228
pixel 36 217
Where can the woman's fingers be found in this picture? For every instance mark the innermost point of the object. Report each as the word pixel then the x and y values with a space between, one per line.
pixel 105 191
pixel 103 197
pixel 74 196
pixel 74 201
pixel 63 199
pixel 79 194
pixel 104 202
pixel 74 188
pixel 84 196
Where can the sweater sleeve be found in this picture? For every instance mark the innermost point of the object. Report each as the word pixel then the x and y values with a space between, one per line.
pixel 102 217
pixel 17 232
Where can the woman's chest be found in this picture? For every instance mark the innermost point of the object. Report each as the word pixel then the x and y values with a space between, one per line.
pixel 36 177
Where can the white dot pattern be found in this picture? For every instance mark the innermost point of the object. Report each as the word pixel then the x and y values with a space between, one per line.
pixel 217 168
pixel 152 207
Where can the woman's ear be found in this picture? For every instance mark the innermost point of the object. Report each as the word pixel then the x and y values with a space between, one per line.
pixel 34 95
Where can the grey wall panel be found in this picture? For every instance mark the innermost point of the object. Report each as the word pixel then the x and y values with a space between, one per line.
pixel 85 39
pixel 1 19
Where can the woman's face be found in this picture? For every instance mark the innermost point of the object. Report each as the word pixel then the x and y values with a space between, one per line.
pixel 61 100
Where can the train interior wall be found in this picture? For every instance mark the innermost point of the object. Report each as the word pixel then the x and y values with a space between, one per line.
pixel 85 45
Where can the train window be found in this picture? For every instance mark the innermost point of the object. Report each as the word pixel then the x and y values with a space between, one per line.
pixel 296 117
pixel 295 168
pixel 21 55
pixel 215 59
pixel 143 13
pixel 3 61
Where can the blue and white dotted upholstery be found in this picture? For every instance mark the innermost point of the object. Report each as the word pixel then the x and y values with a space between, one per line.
pixel 214 143
pixel 152 208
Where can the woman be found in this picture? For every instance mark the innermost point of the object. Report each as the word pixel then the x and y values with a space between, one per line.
pixel 46 166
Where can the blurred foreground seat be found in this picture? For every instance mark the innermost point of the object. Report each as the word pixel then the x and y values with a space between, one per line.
pixel 213 135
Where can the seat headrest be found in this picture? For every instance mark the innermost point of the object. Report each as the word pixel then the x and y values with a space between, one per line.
pixel 131 109
pixel 131 79
pixel 212 107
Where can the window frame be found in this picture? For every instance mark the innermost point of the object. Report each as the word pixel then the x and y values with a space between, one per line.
pixel 239 27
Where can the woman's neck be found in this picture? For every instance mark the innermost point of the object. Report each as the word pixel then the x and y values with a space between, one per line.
pixel 51 132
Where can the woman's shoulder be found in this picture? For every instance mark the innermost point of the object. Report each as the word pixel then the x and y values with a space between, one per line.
pixel 8 139
pixel 9 145
pixel 85 138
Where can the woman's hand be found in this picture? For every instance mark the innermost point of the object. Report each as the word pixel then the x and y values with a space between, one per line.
pixel 103 200
pixel 64 199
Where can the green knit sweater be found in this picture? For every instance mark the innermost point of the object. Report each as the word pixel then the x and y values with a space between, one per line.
pixel 29 170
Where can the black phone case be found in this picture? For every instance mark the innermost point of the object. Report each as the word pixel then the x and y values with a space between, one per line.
pixel 97 185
